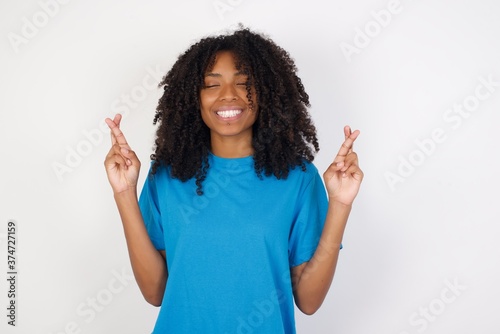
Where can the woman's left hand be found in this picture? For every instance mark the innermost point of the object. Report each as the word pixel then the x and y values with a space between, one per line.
pixel 343 177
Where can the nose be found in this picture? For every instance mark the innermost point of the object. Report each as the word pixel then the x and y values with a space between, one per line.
pixel 228 93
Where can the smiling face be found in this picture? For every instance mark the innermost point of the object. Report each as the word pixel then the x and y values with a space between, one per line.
pixel 225 108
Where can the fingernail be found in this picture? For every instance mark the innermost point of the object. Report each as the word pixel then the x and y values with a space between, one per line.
pixel 129 162
pixel 124 150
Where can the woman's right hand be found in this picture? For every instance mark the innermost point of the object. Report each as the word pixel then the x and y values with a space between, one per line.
pixel 122 165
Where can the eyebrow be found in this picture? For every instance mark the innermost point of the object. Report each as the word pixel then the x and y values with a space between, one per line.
pixel 218 75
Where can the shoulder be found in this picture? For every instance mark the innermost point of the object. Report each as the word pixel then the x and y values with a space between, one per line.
pixel 310 168
pixel 304 174
pixel 161 170
pixel 307 170
pixel 158 176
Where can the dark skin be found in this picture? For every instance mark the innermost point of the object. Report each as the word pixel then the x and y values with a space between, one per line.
pixel 231 136
pixel 284 136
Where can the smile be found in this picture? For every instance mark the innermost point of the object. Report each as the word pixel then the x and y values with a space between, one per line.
pixel 229 113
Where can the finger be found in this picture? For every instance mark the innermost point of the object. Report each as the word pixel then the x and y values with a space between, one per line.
pixel 336 166
pixel 346 146
pixel 116 150
pixel 114 160
pixel 108 122
pixel 355 172
pixel 351 159
pixel 117 119
pixel 130 156
pixel 117 134
pixel 347 133
pixel 333 169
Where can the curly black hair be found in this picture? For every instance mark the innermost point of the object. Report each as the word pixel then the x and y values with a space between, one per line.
pixel 283 133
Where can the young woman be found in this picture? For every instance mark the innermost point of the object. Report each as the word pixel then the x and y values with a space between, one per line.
pixel 233 223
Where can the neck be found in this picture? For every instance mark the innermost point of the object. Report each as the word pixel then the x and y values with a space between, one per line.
pixel 231 146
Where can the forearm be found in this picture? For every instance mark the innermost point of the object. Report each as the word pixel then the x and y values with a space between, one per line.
pixel 148 265
pixel 313 282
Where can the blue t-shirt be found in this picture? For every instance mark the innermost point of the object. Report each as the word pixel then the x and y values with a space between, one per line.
pixel 229 252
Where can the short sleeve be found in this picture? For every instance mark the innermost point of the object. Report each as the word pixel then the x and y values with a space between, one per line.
pixel 151 214
pixel 308 225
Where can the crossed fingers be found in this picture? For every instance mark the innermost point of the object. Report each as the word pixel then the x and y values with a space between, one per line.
pixel 120 150
pixel 346 157
pixel 347 145
pixel 117 136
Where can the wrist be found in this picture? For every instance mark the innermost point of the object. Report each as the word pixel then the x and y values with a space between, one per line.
pixel 126 195
pixel 336 205
pixel 337 216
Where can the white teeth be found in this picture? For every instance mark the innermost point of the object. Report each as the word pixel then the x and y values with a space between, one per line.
pixel 228 113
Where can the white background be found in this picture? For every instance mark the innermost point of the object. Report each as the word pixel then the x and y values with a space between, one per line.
pixel 438 223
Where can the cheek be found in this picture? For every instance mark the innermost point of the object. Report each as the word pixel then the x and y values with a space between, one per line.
pixel 206 101
pixel 206 119
pixel 204 113
pixel 205 109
